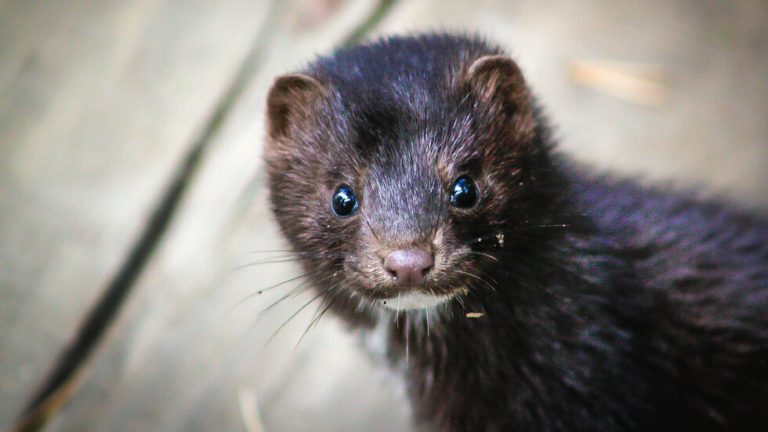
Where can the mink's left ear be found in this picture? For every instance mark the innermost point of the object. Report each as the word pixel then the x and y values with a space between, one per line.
pixel 496 80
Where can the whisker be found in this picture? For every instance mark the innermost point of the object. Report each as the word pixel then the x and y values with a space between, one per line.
pixel 275 260
pixel 287 256
pixel 274 251
pixel 461 302
pixel 426 310
pixel 293 315
pixel 316 318
pixel 298 289
pixel 490 279
pixel 259 292
pixel 288 251
pixel 483 254
pixel 488 284
pixel 407 333
pixel 279 284
pixel 330 303
pixel 307 282
pixel 397 312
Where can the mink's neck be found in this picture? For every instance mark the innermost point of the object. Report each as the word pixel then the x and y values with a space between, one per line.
pixel 524 354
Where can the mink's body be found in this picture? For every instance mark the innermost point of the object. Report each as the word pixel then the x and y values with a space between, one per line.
pixel 653 317
pixel 604 305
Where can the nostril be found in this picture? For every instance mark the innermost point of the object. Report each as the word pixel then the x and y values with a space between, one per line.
pixel 409 267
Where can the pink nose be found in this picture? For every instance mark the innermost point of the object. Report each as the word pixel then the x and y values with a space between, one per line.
pixel 409 267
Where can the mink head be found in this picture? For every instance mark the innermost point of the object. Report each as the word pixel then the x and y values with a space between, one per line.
pixel 400 171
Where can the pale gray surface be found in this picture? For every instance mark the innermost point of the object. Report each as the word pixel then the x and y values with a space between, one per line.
pixel 98 103
pixel 180 355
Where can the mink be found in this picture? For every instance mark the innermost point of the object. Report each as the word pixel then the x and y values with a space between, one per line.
pixel 418 183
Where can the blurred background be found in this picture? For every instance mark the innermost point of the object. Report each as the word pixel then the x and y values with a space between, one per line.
pixel 134 226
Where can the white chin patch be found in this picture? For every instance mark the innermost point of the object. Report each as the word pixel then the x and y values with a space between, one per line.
pixel 415 300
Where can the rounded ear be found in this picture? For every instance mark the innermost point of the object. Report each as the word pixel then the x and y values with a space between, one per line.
pixel 291 99
pixel 497 80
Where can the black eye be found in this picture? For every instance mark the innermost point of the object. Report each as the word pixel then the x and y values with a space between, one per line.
pixel 344 201
pixel 464 193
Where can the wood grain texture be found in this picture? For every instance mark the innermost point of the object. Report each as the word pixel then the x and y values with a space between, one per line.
pixel 98 103
pixel 184 350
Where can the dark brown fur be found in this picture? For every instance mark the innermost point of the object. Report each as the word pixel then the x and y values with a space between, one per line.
pixel 606 306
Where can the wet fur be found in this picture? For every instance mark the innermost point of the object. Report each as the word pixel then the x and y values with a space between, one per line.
pixel 606 306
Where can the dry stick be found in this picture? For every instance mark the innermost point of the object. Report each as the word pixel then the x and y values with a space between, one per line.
pixel 639 84
pixel 249 410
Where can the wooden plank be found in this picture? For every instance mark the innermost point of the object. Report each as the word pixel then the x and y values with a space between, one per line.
pixel 99 101
pixel 183 351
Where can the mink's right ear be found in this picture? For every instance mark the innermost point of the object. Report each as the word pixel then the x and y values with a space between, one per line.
pixel 291 100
